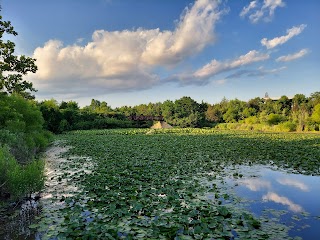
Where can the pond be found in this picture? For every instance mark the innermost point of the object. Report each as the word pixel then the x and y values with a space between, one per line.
pixel 277 196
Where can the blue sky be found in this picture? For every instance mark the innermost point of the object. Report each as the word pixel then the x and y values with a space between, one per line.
pixel 129 52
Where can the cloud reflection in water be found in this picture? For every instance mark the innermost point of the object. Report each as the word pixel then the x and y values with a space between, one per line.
pixel 256 184
pixel 294 183
pixel 271 196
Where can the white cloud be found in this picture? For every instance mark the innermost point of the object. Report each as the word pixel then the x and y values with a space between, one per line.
pixel 294 56
pixel 247 9
pixel 257 11
pixel 124 60
pixel 294 31
pixel 203 74
pixel 215 67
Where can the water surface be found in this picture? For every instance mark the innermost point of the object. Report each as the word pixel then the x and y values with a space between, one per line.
pixel 277 196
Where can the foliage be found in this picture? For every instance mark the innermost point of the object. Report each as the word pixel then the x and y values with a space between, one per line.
pixel 314 98
pixel 287 126
pixel 184 112
pixel 21 127
pixel 16 180
pixel 234 111
pixel 152 186
pixel 21 123
pixel 316 114
pixel 13 68
pixel 274 119
pixel 252 120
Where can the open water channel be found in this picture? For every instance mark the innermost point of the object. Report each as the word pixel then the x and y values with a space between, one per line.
pixel 289 200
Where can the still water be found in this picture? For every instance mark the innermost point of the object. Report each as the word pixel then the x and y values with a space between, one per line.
pixel 286 198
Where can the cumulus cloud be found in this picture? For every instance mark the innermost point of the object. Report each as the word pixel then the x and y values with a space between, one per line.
pixel 257 11
pixel 125 60
pixel 293 56
pixel 294 31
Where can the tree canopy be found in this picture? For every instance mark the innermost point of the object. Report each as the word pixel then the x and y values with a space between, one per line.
pixel 12 67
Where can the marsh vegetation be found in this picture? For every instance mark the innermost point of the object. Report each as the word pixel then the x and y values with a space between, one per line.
pixel 173 184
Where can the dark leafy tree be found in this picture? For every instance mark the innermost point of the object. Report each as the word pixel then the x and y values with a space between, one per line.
pixel 256 103
pixel 214 113
pixel 12 67
pixel 167 109
pixel 185 106
pixel 314 99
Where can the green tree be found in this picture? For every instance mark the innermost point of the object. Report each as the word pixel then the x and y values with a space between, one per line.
pixel 248 112
pixel 21 127
pixel 12 67
pixel 314 98
pixel 167 109
pixel 256 103
pixel 300 111
pixel 285 105
pixel 155 109
pixel 234 111
pixel 51 114
pixel 316 114
pixel 214 113
pixel 143 109
pixel 268 106
pixel 274 119
pixel 185 106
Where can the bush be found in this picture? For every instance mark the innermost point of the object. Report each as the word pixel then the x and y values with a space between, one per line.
pixel 311 125
pixel 105 123
pixel 18 181
pixel 274 119
pixel 21 138
pixel 22 128
pixel 287 126
pixel 251 120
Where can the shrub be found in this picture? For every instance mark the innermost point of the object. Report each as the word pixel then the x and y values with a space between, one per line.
pixel 287 126
pixel 251 120
pixel 274 119
pixel 16 180
pixel 22 129
pixel 311 125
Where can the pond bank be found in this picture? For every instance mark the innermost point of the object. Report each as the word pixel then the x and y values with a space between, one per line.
pixel 17 221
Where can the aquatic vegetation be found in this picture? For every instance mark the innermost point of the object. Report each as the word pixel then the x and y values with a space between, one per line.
pixel 152 185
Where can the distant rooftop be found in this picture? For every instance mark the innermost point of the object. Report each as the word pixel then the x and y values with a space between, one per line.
pixel 266 97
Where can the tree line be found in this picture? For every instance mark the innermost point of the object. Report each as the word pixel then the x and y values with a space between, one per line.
pixel 299 113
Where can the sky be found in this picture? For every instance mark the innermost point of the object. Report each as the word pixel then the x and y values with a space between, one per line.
pixel 129 52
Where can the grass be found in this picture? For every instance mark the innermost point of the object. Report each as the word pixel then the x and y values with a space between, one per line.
pixel 148 185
